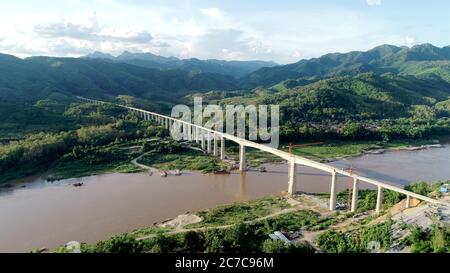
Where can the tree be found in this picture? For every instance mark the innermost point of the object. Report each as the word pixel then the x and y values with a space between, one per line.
pixel 122 244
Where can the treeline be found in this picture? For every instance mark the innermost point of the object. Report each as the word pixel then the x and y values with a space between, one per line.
pixel 39 151
pixel 358 130
pixel 239 238
pixel 431 240
pixel 365 239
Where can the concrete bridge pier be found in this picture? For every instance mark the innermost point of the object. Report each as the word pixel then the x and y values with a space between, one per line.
pixel 292 176
pixel 222 148
pixel 242 160
pixel 408 202
pixel 185 131
pixel 333 194
pixel 355 195
pixel 216 145
pixel 197 135
pixel 203 140
pixel 209 143
pixel 189 132
pixel 379 206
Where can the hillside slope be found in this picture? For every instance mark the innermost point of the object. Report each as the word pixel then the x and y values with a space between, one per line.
pixel 382 59
pixel 39 77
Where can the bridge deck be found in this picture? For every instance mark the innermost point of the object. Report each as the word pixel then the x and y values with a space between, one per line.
pixel 287 156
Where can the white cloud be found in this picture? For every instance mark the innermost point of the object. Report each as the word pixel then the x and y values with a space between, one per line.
pixel 188 30
pixel 410 41
pixel 89 29
pixel 214 13
pixel 373 2
pixel 296 55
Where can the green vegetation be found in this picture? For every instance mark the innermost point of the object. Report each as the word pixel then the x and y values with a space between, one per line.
pixel 434 240
pixel 240 212
pixel 362 107
pixel 336 149
pixel 367 199
pixel 151 231
pixel 102 143
pixel 426 189
pixel 226 229
pixel 41 77
pixel 357 241
pixel 420 60
pixel 238 238
pixel 171 156
pixel 85 161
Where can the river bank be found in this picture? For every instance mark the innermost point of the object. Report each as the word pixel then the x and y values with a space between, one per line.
pixel 304 219
pixel 330 151
pixel 109 204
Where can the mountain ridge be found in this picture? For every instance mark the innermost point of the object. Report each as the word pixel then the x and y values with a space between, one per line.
pixel 237 69
pixel 381 59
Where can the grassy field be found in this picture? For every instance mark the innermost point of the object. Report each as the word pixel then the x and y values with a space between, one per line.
pixel 329 150
pixel 98 160
pixel 332 150
pixel 151 231
pixel 240 212
pixel 186 160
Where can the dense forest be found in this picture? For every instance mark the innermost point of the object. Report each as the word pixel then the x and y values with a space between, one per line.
pixel 94 141
pixel 387 93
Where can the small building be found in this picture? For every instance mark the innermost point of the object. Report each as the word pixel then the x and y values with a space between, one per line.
pixel 445 188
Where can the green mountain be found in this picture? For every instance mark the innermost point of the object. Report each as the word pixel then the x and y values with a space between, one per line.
pixel 236 69
pixel 388 91
pixel 39 77
pixel 382 59
pixel 362 106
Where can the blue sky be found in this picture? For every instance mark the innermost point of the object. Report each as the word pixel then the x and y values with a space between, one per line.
pixel 284 31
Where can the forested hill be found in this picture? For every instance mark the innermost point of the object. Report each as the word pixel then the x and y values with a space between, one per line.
pixel 382 59
pixel 40 77
pixel 364 106
pixel 236 69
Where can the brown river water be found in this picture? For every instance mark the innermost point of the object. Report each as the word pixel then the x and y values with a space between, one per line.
pixel 35 213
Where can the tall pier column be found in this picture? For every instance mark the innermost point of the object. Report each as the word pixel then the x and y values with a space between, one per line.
pixel 333 195
pixel 197 135
pixel 216 146
pixel 202 138
pixel 292 176
pixel 242 160
pixel 355 195
pixel 189 132
pixel 209 142
pixel 408 202
pixel 379 200
pixel 185 131
pixel 222 148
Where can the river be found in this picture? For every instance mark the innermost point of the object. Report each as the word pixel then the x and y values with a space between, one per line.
pixel 36 213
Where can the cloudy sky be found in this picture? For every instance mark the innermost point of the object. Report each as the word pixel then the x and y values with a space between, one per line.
pixel 283 30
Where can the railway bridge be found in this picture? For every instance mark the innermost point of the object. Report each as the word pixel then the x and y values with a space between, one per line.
pixel 210 139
